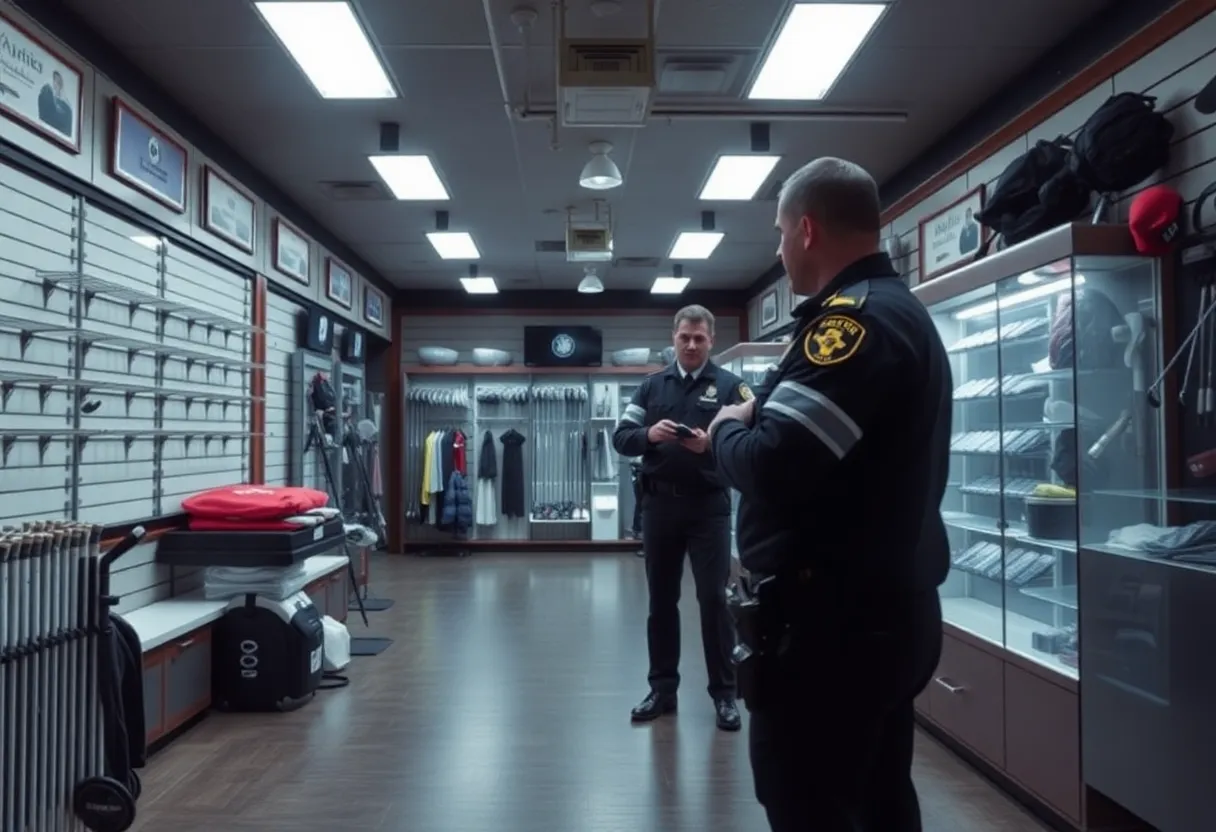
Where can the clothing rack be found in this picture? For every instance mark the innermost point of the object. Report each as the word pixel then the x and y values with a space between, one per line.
pixel 561 469
pixel 440 416
pixel 503 449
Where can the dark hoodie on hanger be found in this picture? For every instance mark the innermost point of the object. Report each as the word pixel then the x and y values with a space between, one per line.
pixel 487 460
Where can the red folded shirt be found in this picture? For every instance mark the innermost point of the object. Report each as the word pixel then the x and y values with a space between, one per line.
pixel 244 504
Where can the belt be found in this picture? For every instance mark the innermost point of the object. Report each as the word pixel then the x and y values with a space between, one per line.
pixel 668 489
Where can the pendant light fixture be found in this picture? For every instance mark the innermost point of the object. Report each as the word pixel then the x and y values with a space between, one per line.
pixel 591 283
pixel 600 173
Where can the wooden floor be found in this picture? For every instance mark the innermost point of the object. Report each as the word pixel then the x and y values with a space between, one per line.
pixel 503 704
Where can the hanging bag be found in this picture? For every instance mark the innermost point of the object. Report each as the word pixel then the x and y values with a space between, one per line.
pixel 1123 143
pixel 1036 192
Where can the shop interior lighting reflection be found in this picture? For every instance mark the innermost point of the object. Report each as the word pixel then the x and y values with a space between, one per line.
pixel 1044 290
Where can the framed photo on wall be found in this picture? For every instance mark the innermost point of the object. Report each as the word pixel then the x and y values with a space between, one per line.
pixel 145 158
pixel 289 250
pixel 228 212
pixel 951 237
pixel 39 89
pixel 338 283
pixel 768 309
pixel 373 306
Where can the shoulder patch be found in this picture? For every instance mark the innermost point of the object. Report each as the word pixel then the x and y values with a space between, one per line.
pixel 841 300
pixel 833 340
pixel 746 393
pixel 851 297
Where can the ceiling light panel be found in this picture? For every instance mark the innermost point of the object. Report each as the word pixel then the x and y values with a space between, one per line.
pixel 668 285
pixel 479 285
pixel 738 178
pixel 411 177
pixel 695 245
pixel 454 245
pixel 331 48
pixel 815 45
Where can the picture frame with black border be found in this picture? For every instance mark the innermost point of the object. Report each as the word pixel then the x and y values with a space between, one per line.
pixel 228 212
pixel 769 311
pixel 290 252
pixel 373 306
pixel 339 283
pixel 951 237
pixel 123 113
pixel 55 110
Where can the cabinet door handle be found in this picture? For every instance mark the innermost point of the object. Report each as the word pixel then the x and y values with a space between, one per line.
pixel 955 689
pixel 183 645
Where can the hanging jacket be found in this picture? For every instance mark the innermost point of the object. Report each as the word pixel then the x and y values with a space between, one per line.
pixel 487 460
pixel 457 504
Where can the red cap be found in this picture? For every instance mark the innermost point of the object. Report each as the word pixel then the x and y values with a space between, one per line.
pixel 1154 219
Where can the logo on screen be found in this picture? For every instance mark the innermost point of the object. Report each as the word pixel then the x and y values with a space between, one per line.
pixel 563 346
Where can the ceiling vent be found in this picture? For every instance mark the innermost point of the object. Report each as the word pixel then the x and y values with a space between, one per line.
pixel 354 191
pixel 606 83
pixel 637 262
pixel 550 246
pixel 696 76
pixel 589 242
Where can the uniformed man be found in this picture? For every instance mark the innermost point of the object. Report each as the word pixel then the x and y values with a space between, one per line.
pixel 686 509
pixel 841 465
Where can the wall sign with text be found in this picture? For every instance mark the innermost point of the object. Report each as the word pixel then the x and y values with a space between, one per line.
pixel 290 251
pixel 373 306
pixel 146 159
pixel 339 285
pixel 228 212
pixel 951 237
pixel 38 88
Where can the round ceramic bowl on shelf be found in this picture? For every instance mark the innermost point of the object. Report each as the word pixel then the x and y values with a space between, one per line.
pixel 667 355
pixel 437 356
pixel 637 357
pixel 488 357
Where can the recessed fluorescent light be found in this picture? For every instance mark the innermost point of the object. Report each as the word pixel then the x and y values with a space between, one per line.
pixel 695 245
pixel 479 285
pixel 454 245
pixel 411 177
pixel 329 45
pixel 815 45
pixel 738 177
pixel 668 285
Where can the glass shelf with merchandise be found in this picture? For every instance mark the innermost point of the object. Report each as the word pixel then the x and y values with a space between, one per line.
pixel 1044 340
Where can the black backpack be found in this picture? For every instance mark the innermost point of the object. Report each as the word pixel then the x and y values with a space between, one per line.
pixel 1122 143
pixel 1036 192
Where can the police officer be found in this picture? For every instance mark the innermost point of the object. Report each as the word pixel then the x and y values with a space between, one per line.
pixel 841 465
pixel 686 508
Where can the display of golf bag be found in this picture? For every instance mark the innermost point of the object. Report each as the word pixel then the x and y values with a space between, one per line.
pixel 1122 143
pixel 1036 192
pixel 106 802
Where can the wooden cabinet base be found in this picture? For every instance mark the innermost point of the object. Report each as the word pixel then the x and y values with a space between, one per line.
pixel 177 683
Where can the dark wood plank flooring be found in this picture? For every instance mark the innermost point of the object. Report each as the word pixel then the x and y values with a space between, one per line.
pixel 502 704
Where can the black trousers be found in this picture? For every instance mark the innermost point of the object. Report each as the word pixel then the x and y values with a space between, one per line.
pixel 831 749
pixel 673 526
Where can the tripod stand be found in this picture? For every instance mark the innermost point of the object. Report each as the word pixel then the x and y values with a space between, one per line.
pixel 317 439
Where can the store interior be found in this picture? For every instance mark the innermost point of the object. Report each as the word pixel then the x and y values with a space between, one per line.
pixel 424 283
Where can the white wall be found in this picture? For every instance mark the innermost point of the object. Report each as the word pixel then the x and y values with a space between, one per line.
pixel 1173 72
pixel 506 332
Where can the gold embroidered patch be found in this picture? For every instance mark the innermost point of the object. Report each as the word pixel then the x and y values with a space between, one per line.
pixel 746 393
pixel 833 340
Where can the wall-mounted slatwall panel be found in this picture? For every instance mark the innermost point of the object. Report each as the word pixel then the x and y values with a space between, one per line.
pixel 38 229
pixel 137 580
pixel 206 425
pixel 119 455
pixel 282 324
pixel 506 332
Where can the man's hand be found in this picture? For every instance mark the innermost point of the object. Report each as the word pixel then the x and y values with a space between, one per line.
pixel 698 443
pixel 663 431
pixel 738 412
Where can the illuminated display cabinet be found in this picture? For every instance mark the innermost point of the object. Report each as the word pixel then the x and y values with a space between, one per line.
pixel 1052 344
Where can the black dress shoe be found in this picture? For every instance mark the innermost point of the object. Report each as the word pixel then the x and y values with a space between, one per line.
pixel 728 715
pixel 654 706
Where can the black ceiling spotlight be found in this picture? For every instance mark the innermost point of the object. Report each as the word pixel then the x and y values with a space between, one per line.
pixel 441 220
pixel 472 270
pixel 760 136
pixel 707 220
pixel 390 137
pixel 677 270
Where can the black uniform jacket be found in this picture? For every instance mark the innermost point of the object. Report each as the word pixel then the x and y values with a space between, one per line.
pixel 843 469
pixel 667 394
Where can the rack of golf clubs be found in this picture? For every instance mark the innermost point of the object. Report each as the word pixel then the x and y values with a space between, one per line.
pixel 71 744
pixel 561 461
pixel 503 411
pixel 435 411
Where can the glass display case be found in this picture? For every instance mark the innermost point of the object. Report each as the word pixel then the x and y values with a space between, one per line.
pixel 751 362
pixel 1051 343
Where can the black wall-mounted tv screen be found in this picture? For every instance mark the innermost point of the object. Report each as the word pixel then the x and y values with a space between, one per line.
pixel 317 331
pixel 563 346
